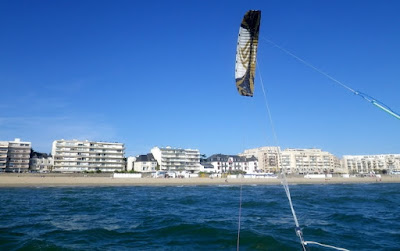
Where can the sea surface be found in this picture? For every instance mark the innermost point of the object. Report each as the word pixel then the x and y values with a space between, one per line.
pixel 352 216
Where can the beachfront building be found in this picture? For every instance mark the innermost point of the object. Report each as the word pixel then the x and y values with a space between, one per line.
pixel 141 163
pixel 3 155
pixel 310 161
pixel 41 162
pixel 14 155
pixel 363 164
pixel 206 167
pixel 232 163
pixel 177 159
pixel 267 156
pixel 78 156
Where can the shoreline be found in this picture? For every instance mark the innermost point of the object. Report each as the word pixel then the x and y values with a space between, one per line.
pixel 49 180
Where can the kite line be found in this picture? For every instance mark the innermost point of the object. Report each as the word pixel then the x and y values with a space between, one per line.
pixel 366 97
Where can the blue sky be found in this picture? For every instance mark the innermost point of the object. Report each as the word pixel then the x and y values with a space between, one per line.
pixel 161 73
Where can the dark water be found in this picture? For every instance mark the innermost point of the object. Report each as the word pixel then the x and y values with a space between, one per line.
pixel 356 217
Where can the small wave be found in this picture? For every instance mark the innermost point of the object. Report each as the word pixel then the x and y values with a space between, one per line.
pixel 225 186
pixel 38 245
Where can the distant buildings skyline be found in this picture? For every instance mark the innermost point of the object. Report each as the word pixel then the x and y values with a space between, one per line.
pixel 295 160
pixel 80 156
pixel 369 163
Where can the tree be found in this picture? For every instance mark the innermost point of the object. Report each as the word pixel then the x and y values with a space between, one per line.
pixel 203 158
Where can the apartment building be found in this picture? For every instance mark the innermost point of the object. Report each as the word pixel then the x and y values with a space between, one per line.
pixel 383 163
pixel 309 161
pixel 3 155
pixel 232 163
pixel 79 156
pixel 177 159
pixel 14 155
pixel 295 161
pixel 267 156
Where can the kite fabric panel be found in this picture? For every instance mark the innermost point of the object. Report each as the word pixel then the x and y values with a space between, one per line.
pixel 246 52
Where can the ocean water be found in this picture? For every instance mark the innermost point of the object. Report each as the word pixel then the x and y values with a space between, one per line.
pixel 352 216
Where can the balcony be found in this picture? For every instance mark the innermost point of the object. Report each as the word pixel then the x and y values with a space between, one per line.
pixel 19 146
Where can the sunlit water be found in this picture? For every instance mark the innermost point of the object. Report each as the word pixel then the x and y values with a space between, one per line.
pixel 356 217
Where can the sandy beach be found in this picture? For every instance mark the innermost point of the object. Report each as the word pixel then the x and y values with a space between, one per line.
pixel 26 180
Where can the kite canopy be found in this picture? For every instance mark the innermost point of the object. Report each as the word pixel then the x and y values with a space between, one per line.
pixel 246 52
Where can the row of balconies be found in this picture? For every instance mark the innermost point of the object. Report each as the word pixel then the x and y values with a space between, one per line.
pixel 11 145
pixel 305 165
pixel 107 146
pixel 19 151
pixel 89 161
pixel 173 160
pixel 173 164
pixel 169 156
pixel 120 155
pixel 313 163
pixel 18 161
pixel 58 165
pixel 193 157
pixel 368 167
pixel 89 155
pixel 84 157
pixel 25 165
pixel 18 156
pixel 88 144
pixel 90 150
pixel 197 155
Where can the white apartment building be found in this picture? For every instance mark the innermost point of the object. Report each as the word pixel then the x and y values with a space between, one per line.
pixel 142 163
pixel 177 159
pixel 383 163
pixel 310 161
pixel 231 163
pixel 77 156
pixel 267 156
pixel 295 161
pixel 14 155
pixel 3 155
